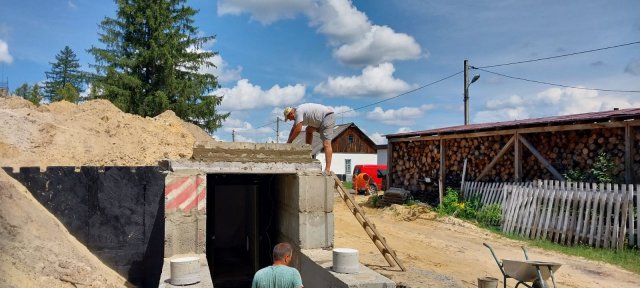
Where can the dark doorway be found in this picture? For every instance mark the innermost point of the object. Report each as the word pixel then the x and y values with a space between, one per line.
pixel 241 226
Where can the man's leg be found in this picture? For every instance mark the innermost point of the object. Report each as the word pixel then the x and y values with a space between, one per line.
pixel 328 153
pixel 309 136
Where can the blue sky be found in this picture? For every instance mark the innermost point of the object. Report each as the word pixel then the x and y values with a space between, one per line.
pixel 350 54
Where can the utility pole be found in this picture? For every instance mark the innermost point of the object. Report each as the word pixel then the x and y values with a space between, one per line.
pixel 277 129
pixel 466 92
pixel 233 135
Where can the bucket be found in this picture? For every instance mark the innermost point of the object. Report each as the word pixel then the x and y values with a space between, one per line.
pixel 487 282
pixel 345 260
pixel 185 271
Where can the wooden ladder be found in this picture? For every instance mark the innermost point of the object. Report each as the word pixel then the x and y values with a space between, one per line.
pixel 368 226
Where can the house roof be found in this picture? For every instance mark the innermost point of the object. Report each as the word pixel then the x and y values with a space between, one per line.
pixel 316 144
pixel 583 118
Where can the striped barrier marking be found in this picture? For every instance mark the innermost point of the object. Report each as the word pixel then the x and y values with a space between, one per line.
pixel 185 193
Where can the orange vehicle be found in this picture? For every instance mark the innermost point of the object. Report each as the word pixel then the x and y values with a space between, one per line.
pixel 373 176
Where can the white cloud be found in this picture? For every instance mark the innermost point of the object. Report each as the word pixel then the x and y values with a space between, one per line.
pixel 246 96
pixel 552 102
pixel 355 39
pixel 378 138
pixel 222 70
pixel 5 56
pixel 344 111
pixel 398 117
pixel 633 67
pixel 375 81
pixel 72 5
pixel 404 130
pixel 380 44
pixel 265 12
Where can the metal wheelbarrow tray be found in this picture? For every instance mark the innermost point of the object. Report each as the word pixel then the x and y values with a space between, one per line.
pixel 526 270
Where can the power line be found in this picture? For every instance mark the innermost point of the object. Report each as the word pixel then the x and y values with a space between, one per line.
pixel 554 84
pixel 563 55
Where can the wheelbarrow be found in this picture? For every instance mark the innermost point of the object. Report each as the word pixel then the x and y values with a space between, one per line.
pixel 523 271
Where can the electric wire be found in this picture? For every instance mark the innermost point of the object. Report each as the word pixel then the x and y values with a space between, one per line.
pixel 555 84
pixel 563 55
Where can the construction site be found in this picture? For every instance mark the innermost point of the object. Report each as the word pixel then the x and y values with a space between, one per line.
pixel 94 197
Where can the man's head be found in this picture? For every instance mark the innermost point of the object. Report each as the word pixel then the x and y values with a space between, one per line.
pixel 282 253
pixel 289 113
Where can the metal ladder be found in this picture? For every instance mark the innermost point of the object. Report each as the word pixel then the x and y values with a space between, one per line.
pixel 368 226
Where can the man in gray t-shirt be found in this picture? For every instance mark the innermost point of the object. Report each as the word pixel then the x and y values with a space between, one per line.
pixel 278 275
pixel 315 117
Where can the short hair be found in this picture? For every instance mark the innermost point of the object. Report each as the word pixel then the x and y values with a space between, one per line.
pixel 282 250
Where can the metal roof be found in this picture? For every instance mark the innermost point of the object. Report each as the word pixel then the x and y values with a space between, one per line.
pixel 592 117
pixel 316 144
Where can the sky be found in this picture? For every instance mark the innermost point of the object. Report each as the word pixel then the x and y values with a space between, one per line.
pixel 387 66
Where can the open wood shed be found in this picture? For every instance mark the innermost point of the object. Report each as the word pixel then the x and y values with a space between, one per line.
pixel 512 151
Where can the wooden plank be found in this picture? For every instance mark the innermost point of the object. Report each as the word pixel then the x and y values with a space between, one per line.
pixel 582 195
pixel 617 203
pixel 516 208
pixel 389 164
pixel 523 212
pixel 543 209
pixel 560 218
pixel 533 212
pixel 464 175
pixel 487 193
pixel 567 217
pixel 607 218
pixel 588 223
pixel 638 214
pixel 558 128
pixel 601 215
pixel 505 191
pixel 495 159
pixel 509 194
pixel 540 158
pixel 442 171
pixel 631 231
pixel 624 208
pixel 497 194
pixel 573 222
pixel 513 199
pixel 594 215
pixel 552 201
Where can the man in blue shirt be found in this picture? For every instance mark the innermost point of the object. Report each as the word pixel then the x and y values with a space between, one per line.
pixel 278 275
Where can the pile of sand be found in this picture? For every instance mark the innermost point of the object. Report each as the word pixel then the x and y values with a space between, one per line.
pixel 91 133
pixel 37 251
pixel 35 248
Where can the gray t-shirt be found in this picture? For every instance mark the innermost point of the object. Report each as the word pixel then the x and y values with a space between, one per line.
pixel 311 114
pixel 277 276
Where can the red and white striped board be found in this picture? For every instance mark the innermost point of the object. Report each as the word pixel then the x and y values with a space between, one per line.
pixel 185 192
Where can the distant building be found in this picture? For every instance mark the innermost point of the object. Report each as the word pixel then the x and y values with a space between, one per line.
pixel 350 147
pixel 382 153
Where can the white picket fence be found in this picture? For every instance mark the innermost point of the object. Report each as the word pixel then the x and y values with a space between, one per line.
pixel 603 215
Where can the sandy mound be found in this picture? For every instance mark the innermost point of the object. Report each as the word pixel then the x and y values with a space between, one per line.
pixel 36 249
pixel 91 133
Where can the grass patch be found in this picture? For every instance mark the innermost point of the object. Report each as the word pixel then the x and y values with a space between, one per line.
pixel 347 184
pixel 627 259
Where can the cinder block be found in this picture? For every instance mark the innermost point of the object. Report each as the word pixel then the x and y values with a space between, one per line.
pixel 315 193
pixel 201 233
pixel 180 234
pixel 289 223
pixel 316 230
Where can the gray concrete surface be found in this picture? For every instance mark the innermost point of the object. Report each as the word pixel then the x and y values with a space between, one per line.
pixel 205 276
pixel 315 268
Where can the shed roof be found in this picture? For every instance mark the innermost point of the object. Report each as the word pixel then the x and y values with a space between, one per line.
pixel 583 118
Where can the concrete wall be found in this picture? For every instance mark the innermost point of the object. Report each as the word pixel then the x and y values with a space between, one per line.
pixel 116 212
pixel 186 212
pixel 306 210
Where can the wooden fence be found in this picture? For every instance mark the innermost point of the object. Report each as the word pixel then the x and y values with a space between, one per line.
pixel 603 215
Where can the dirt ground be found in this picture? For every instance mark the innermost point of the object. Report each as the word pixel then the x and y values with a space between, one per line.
pixel 448 252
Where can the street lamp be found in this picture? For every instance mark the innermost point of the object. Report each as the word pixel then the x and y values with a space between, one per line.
pixel 466 90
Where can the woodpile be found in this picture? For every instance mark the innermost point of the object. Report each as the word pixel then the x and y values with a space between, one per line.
pixel 412 162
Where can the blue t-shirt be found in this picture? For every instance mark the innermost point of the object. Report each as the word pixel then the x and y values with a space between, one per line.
pixel 278 276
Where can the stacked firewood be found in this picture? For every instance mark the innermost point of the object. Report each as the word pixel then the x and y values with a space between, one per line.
pixel 412 162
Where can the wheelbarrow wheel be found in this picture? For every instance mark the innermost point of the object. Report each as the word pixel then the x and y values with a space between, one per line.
pixel 538 284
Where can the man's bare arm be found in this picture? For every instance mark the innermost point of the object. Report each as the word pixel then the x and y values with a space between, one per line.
pixel 295 130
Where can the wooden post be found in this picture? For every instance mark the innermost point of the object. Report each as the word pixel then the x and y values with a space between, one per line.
pixel 628 140
pixel 540 158
pixel 517 159
pixel 389 164
pixel 464 174
pixel 495 159
pixel 442 171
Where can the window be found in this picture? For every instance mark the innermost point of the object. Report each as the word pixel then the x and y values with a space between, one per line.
pixel 350 139
pixel 347 166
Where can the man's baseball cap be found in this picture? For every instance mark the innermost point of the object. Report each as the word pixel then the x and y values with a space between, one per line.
pixel 286 112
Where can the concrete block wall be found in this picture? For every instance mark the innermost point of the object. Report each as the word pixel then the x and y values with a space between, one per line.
pixel 305 210
pixel 185 212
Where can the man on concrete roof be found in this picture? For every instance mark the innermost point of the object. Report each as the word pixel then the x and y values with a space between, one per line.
pixel 315 117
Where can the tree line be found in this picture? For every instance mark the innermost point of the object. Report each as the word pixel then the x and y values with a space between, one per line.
pixel 149 63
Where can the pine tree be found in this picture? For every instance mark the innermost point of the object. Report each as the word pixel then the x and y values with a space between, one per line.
pixel 22 90
pixel 64 71
pixel 35 95
pixel 151 62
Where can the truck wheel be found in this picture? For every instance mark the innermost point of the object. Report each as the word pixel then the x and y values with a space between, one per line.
pixel 373 188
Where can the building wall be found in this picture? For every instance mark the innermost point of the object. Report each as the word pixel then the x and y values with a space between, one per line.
pixel 359 143
pixel 338 161
pixel 382 156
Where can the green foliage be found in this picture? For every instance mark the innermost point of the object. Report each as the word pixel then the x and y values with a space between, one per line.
pixel 410 201
pixel 575 176
pixel 468 209
pixel 30 93
pixel 374 199
pixel 602 169
pixel 449 203
pixel 490 215
pixel 152 60
pixel 347 184
pixel 65 77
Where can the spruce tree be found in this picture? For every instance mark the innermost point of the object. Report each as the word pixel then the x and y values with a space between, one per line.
pixel 64 71
pixel 150 63
pixel 35 95
pixel 22 90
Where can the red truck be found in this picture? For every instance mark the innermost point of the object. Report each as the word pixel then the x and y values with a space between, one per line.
pixel 375 173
